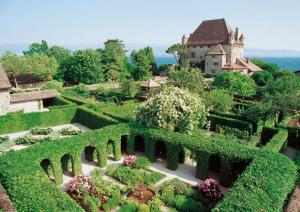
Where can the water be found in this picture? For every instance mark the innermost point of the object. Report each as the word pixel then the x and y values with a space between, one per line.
pixel 291 63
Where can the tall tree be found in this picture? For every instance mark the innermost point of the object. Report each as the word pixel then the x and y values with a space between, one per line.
pixel 152 61
pixel 191 80
pixel 14 65
pixel 39 48
pixel 84 66
pixel 59 53
pixel 142 67
pixel 114 56
pixel 177 50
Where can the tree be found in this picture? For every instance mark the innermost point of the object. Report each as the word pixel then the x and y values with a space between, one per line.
pixel 39 48
pixel 84 66
pixel 286 84
pixel 177 50
pixel 113 56
pixel 141 65
pixel 191 80
pixel 59 53
pixel 261 78
pixel 42 66
pixel 269 67
pixel 152 61
pixel 129 89
pixel 13 65
pixel 236 83
pixel 218 100
pixel 174 109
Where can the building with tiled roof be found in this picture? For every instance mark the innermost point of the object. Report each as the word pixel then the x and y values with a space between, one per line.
pixel 26 102
pixel 214 46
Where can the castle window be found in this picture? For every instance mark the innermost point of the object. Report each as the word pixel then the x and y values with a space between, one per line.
pixel 201 46
pixel 208 46
pixel 193 54
pixel 213 56
pixel 216 63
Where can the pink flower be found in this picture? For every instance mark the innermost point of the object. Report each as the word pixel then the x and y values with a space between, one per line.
pixel 211 189
pixel 129 160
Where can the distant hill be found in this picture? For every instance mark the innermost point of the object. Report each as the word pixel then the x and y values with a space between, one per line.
pixel 159 50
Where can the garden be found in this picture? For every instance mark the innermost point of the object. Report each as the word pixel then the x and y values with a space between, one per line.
pixel 191 147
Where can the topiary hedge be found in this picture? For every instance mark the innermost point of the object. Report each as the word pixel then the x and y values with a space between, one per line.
pixel 263 186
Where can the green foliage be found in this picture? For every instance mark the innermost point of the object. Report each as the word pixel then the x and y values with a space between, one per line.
pixel 4 139
pixel 82 90
pixel 84 66
pixel 52 85
pixel 177 50
pixel 191 80
pixel 178 195
pixel 263 186
pixel 285 84
pixel 28 140
pixel 236 83
pixel 114 58
pixel 218 100
pixel 269 67
pixel 133 176
pixel 69 131
pixel 129 89
pixel 174 109
pixel 90 202
pixel 37 48
pixel 142 64
pixel 278 141
pixel 129 207
pixel 261 78
pixel 142 163
pixel 41 131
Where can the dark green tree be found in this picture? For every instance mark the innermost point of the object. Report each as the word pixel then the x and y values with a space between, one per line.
pixel 261 78
pixel 84 66
pixel 218 100
pixel 269 67
pixel 177 50
pixel 191 80
pixel 39 48
pixel 236 83
pixel 141 65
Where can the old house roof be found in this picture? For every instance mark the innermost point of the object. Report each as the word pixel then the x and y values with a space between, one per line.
pixel 233 66
pixel 149 84
pixel 4 82
pixel 218 50
pixel 247 63
pixel 32 96
pixel 210 32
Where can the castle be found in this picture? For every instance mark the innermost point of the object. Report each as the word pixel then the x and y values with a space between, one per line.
pixel 216 47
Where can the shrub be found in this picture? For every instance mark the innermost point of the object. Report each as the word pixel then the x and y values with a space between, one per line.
pixel 129 160
pixel 143 208
pixel 69 131
pixel 211 189
pixel 174 109
pixel 142 163
pixel 82 90
pixel 4 139
pixel 92 203
pixel 28 140
pixel 129 207
pixel 129 89
pixel 51 85
pixel 218 100
pixel 41 131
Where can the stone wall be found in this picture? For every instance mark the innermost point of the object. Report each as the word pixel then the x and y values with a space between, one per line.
pixel 4 102
pixel 214 63
pixel 27 107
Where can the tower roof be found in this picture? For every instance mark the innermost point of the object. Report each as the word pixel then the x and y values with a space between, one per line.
pixel 211 32
pixel 4 82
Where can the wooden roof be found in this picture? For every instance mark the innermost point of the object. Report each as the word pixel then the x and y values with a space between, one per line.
pixel 32 96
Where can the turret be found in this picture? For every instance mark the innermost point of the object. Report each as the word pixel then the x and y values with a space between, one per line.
pixel 231 38
pixel 236 34
pixel 184 39
pixel 242 39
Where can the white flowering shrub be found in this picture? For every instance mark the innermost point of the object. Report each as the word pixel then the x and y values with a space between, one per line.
pixel 175 109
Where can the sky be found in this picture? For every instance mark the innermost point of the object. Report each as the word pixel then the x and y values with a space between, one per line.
pixel 267 24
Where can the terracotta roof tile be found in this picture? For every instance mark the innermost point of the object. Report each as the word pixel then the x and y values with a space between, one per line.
pixel 250 66
pixel 4 82
pixel 218 50
pixel 32 96
pixel 210 32
pixel 233 66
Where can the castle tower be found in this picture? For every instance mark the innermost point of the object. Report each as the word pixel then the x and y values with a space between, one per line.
pixel 236 34
pixel 184 40
pixel 231 38
pixel 242 39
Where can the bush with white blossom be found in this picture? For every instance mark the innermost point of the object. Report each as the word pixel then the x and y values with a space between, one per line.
pixel 174 109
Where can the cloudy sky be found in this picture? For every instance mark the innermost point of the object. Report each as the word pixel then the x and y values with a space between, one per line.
pixel 267 24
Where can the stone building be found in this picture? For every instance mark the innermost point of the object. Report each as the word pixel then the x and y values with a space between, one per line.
pixel 215 47
pixel 26 102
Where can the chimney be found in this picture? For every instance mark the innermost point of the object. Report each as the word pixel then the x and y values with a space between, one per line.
pixel 247 60
pixel 236 34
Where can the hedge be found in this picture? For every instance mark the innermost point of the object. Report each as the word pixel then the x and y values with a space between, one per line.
pixel 60 102
pixel 25 121
pixel 263 186
pixel 230 122
pixel 278 141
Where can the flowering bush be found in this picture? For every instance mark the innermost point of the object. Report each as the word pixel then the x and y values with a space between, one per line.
pixel 81 183
pixel 129 160
pixel 173 108
pixel 211 189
